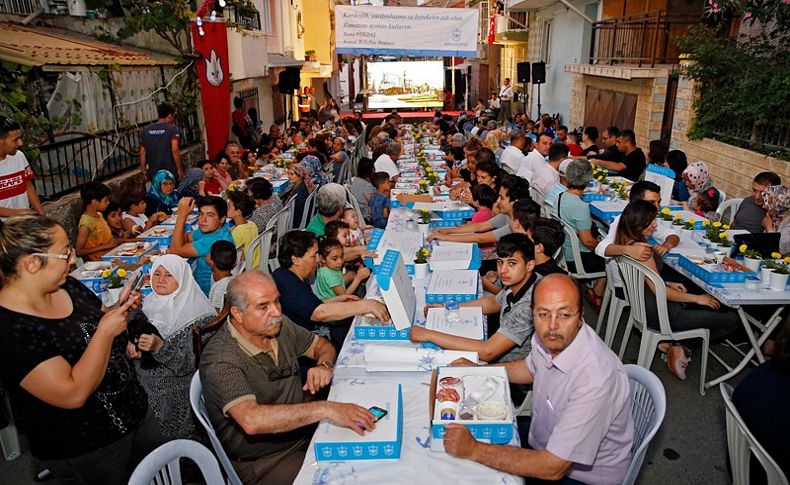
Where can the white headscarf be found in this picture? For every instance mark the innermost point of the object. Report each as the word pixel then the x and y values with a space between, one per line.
pixel 170 313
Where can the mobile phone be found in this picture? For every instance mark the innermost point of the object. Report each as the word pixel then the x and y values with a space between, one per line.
pixel 377 412
pixel 138 283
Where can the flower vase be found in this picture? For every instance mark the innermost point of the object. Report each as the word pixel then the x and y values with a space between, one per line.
pixel 111 295
pixel 687 233
pixel 425 229
pixel 778 281
pixel 765 275
pixel 752 263
pixel 420 270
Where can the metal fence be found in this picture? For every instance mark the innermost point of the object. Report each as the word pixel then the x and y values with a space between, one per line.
pixel 638 39
pixel 772 139
pixel 19 7
pixel 63 166
pixel 242 19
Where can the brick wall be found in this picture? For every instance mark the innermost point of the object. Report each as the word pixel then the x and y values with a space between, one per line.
pixel 732 167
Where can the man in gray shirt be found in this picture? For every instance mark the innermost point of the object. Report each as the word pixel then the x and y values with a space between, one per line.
pixel 750 213
pixel 516 262
pixel 159 145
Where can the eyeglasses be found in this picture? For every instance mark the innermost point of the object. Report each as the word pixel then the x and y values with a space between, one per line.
pixel 65 257
pixel 561 317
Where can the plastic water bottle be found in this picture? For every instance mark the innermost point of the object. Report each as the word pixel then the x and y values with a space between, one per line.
pixel 481 394
pixel 452 312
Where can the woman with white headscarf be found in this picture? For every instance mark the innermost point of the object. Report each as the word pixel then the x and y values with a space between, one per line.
pixel 175 304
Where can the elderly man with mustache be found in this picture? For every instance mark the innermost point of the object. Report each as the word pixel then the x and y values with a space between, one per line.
pixel 581 429
pixel 254 395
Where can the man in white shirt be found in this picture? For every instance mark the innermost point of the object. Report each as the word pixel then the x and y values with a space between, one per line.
pixel 547 174
pixel 537 157
pixel 386 161
pixel 642 190
pixel 18 194
pixel 505 100
pixel 513 156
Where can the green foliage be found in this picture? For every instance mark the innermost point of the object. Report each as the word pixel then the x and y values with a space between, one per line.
pixel 19 99
pixel 743 84
pixel 169 19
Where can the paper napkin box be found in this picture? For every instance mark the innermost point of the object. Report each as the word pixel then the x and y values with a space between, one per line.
pixel 447 209
pixel 397 290
pixel 451 256
pixel 336 443
pixel 280 185
pixel 452 285
pixel 498 432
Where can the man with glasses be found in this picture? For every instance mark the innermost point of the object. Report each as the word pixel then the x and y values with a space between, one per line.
pixel 581 429
pixel 18 195
pixel 610 151
pixel 254 394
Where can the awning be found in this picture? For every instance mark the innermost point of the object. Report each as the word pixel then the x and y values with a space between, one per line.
pixel 44 46
pixel 279 60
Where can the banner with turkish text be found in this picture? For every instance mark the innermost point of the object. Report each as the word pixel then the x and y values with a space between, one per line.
pixel 211 40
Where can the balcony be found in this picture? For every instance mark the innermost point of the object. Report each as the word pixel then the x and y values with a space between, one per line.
pixel 644 40
pixel 19 7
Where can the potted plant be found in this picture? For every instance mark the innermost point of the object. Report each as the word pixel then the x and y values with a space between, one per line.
pixel 724 240
pixel 114 281
pixel 423 186
pixel 688 228
pixel 421 262
pixel 751 258
pixel 665 216
pixel 425 216
pixel 677 223
pixel 779 275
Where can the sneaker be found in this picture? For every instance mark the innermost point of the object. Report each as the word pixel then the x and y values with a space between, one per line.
pixel 677 361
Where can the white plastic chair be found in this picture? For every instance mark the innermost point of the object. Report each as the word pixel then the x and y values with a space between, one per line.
pixel 199 408
pixel 581 273
pixel 161 466
pixel 634 275
pixel 309 209
pixel 241 264
pixel 280 223
pixel 613 305
pixel 732 205
pixel 9 437
pixel 262 246
pixel 648 407
pixel 741 444
pixel 722 196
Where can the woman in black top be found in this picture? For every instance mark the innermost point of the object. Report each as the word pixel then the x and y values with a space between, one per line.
pixel 62 357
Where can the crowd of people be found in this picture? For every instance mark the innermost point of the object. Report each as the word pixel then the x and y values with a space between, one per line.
pixel 108 383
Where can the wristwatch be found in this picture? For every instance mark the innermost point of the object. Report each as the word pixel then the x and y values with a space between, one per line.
pixel 328 364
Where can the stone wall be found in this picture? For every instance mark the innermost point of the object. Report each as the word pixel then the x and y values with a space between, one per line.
pixel 733 168
pixel 68 209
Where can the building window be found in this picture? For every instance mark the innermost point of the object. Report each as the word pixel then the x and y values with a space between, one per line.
pixel 266 17
pixel 545 44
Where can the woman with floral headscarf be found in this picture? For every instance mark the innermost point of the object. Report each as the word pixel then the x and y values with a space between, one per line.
pixel 698 180
pixel 776 200
pixel 163 196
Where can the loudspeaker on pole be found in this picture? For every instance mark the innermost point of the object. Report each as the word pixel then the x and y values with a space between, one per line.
pixel 538 73
pixel 522 72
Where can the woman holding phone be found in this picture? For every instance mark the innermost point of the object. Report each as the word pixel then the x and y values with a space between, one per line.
pixel 167 361
pixel 62 358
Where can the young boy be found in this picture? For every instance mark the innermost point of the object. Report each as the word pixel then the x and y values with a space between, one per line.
pixel 329 279
pixel 221 260
pixel 134 219
pixel 112 214
pixel 548 236
pixel 94 236
pixel 197 244
pixel 380 200
pixel 240 207
pixel 511 342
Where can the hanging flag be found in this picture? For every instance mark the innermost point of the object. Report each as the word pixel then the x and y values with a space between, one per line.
pixel 491 29
pixel 211 40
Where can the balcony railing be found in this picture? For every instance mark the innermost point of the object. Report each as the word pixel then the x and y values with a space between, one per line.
pixel 244 18
pixel 644 39
pixel 63 166
pixel 772 139
pixel 19 7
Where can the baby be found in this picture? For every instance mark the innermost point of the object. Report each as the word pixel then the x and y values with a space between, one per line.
pixel 330 281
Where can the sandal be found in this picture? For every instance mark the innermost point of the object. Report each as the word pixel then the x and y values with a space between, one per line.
pixel 678 361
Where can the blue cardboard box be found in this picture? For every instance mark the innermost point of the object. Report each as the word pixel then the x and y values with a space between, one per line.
pixel 335 443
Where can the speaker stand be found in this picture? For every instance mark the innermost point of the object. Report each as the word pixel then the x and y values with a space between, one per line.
pixel 540 111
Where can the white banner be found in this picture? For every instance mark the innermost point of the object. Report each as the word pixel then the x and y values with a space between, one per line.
pixel 407 31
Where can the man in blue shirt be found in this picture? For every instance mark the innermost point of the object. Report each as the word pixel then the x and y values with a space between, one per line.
pixel 197 244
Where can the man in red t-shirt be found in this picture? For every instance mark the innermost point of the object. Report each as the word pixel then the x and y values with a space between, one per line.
pixel 18 194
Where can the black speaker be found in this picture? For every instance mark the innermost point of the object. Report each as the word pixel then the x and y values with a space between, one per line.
pixel 522 72
pixel 289 80
pixel 538 73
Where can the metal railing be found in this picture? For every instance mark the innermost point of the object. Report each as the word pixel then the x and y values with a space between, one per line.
pixel 243 18
pixel 63 166
pixel 19 7
pixel 638 39
pixel 772 139
pixel 516 20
